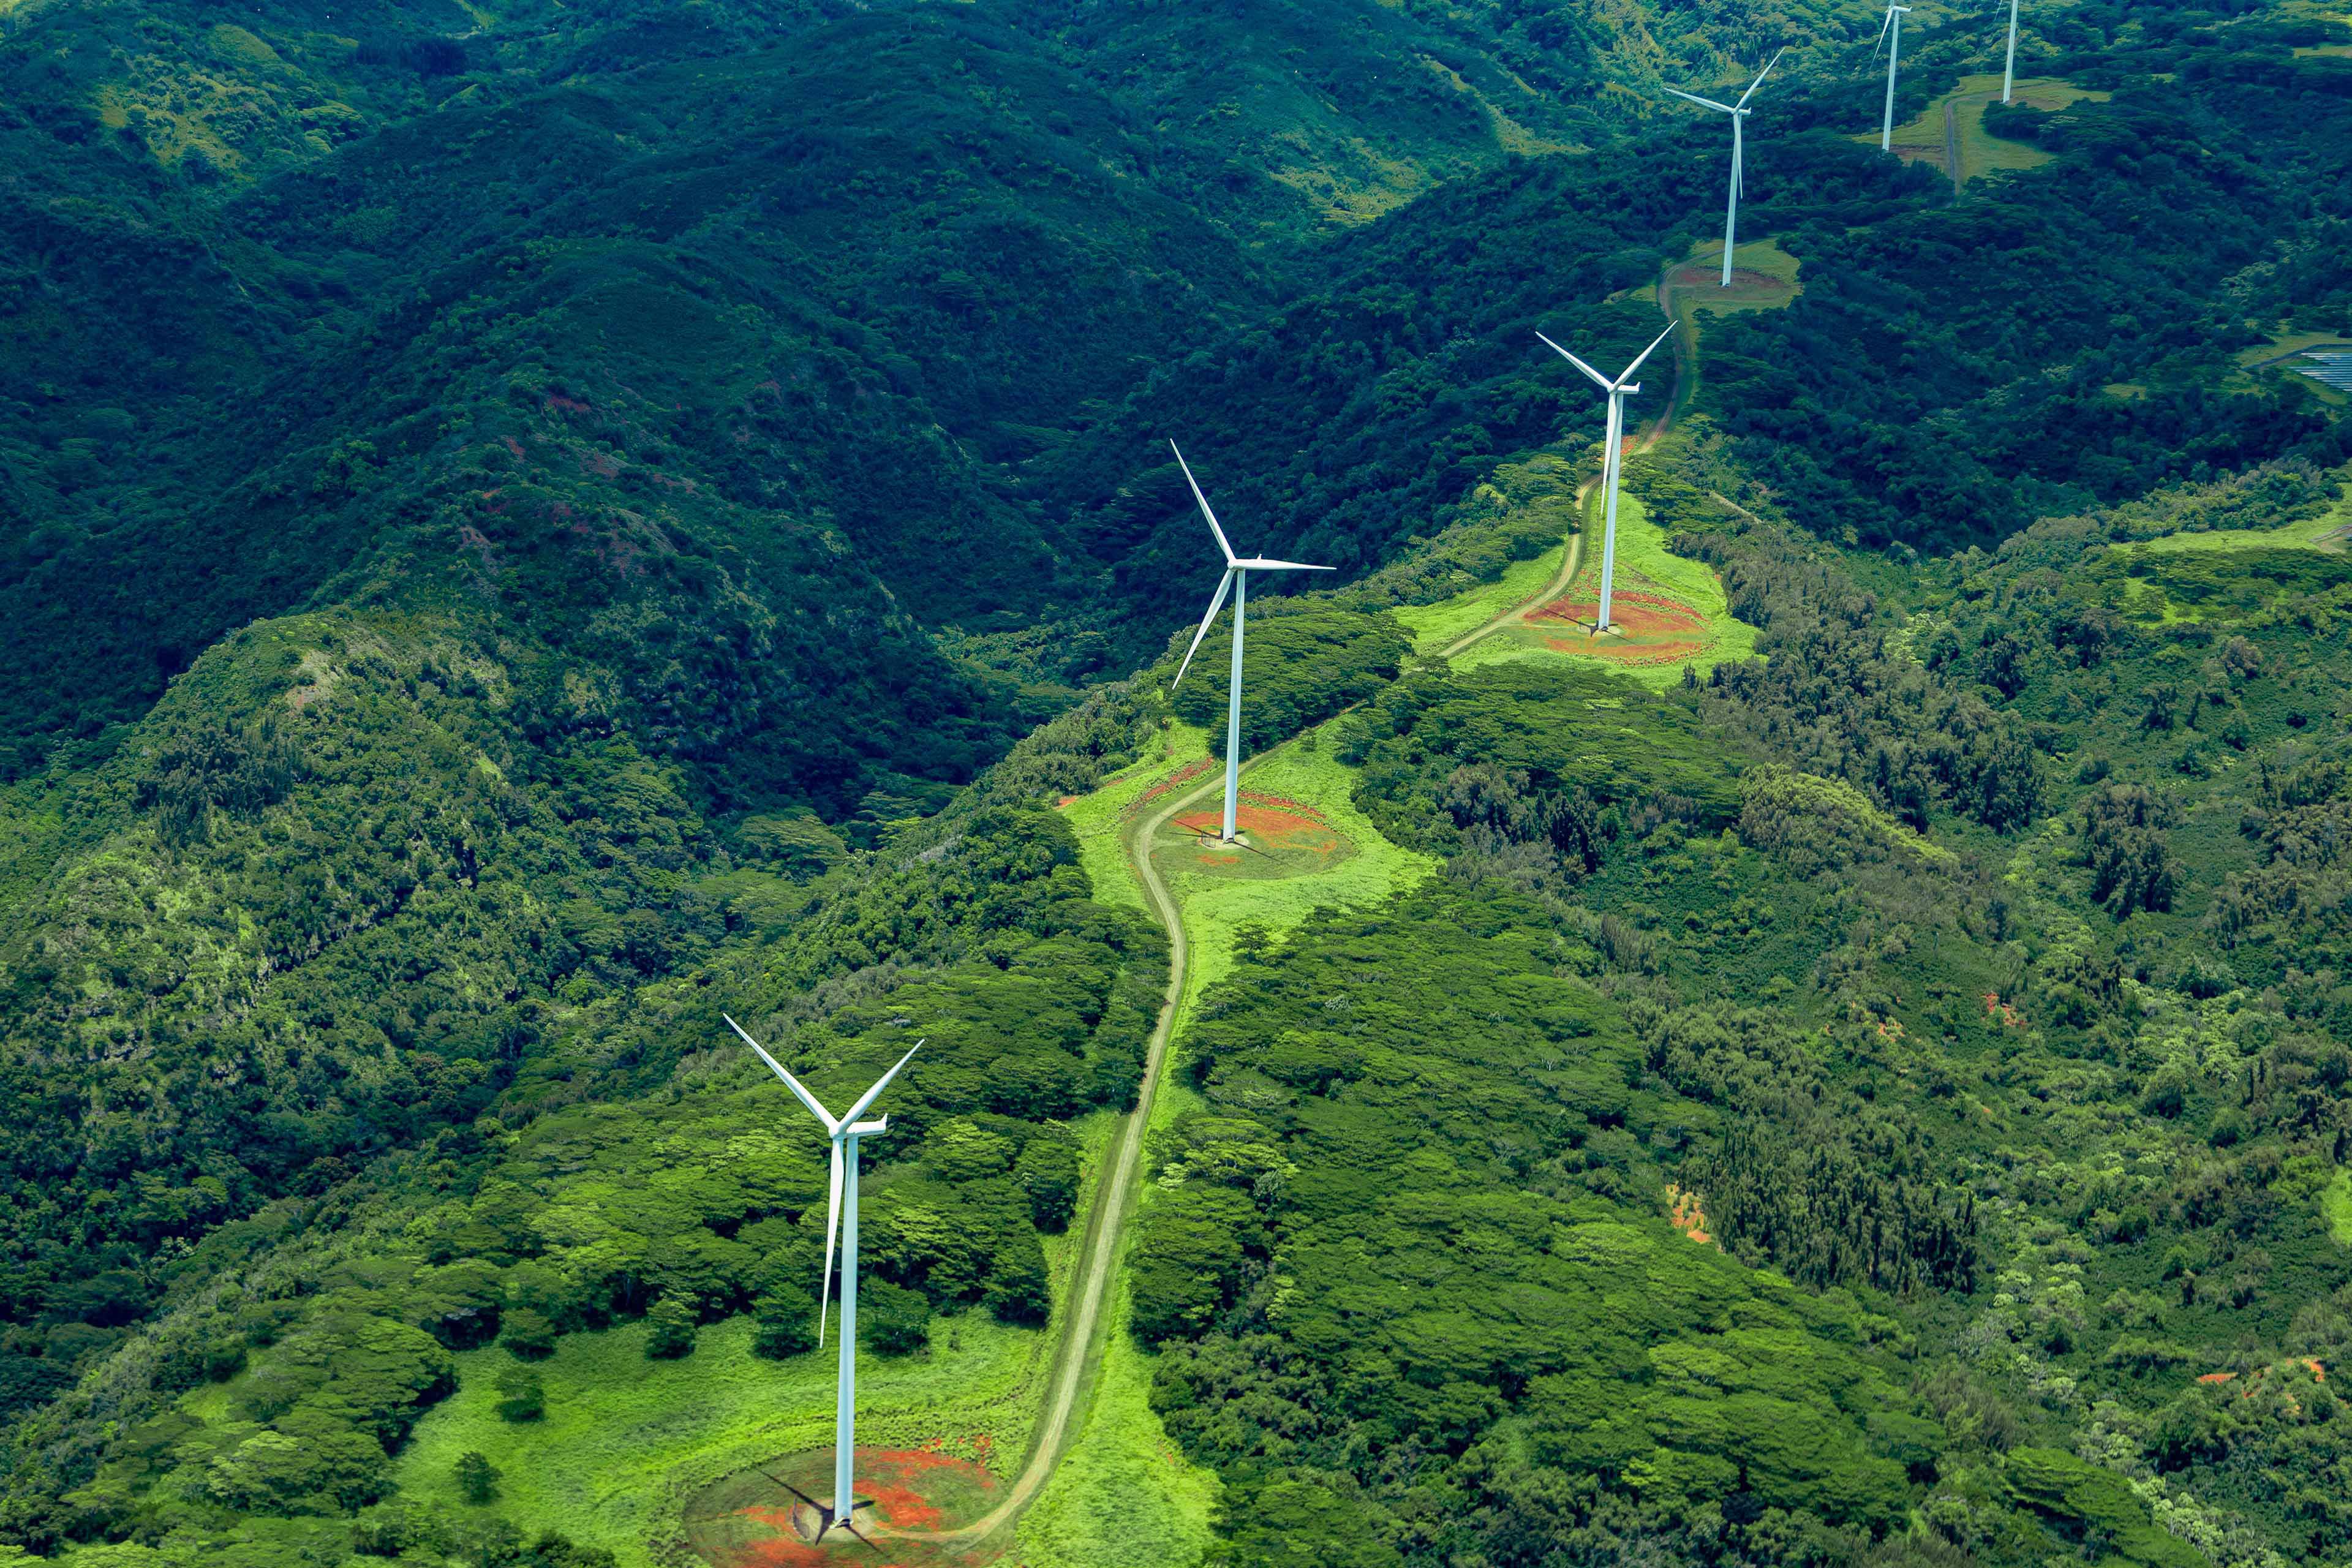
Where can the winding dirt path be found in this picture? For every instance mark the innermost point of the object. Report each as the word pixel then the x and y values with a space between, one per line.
pixel 1099 1246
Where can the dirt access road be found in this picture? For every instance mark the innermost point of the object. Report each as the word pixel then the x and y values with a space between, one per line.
pixel 1101 1246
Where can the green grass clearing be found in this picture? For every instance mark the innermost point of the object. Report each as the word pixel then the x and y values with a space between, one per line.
pixel 1928 139
pixel 1434 626
pixel 2326 532
pixel 627 1440
pixel 1215 907
pixel 1646 570
pixel 1101 818
pixel 1763 278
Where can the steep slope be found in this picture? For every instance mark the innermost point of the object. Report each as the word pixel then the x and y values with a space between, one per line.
pixel 614 501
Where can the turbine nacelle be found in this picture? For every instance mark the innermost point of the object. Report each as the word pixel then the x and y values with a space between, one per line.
pixel 1892 12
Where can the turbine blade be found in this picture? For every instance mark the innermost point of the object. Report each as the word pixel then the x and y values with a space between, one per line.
pixel 789 1081
pixel 880 1084
pixel 1645 353
pixel 1694 98
pixel 1261 563
pixel 1225 587
pixel 832 1233
pixel 1204 504
pixel 1599 380
pixel 1759 79
pixel 1881 33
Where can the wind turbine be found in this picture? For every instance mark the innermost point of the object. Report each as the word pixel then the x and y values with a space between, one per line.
pixel 1612 446
pixel 1891 32
pixel 841 1216
pixel 2009 67
pixel 1739 112
pixel 1236 580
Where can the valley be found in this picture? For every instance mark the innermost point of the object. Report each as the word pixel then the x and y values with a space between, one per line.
pixel 527 531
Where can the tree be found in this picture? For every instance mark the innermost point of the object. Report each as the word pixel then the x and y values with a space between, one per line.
pixel 522 1396
pixel 1018 1290
pixel 2132 867
pixel 1048 1170
pixel 529 1334
pixel 673 1323
pixel 893 1319
pixel 786 1320
pixel 478 1478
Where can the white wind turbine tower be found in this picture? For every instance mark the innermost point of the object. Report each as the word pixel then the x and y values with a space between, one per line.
pixel 841 1218
pixel 1739 112
pixel 1891 33
pixel 2009 67
pixel 1612 448
pixel 1237 582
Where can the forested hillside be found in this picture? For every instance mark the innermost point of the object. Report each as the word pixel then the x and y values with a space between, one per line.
pixel 527 528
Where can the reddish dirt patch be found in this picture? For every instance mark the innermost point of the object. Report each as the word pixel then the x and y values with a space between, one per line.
pixel 2312 1364
pixel 1270 821
pixel 1638 614
pixel 902 1508
pixel 1688 1216
pixel 1706 280
pixel 1184 774
pixel 746 1520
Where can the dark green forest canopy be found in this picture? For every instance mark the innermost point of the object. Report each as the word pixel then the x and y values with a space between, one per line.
pixel 522 533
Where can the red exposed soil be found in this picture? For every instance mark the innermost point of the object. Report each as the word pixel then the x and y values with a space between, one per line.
pixel 1688 1216
pixel 1705 279
pixel 902 1508
pixel 783 1550
pixel 906 1489
pixel 1270 821
pixel 1638 614
pixel 1189 772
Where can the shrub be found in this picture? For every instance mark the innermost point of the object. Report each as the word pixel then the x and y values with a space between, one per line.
pixel 1048 1170
pixel 893 1319
pixel 478 1478
pixel 522 1396
pixel 673 1323
pixel 787 1320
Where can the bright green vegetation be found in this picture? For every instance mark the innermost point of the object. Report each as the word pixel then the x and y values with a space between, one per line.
pixel 526 528
pixel 1698 628
pixel 1434 626
pixel 2323 529
pixel 1219 910
pixel 1102 818
pixel 2336 1206
pixel 626 1438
